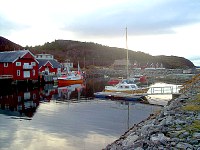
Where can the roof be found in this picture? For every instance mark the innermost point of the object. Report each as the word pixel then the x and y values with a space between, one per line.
pixel 11 56
pixel 55 64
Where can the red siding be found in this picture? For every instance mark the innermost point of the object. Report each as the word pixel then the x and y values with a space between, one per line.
pixel 28 55
pixel 51 69
pixel 12 68
pixel 6 70
pixel 33 76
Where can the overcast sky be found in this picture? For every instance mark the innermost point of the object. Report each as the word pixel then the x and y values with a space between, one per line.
pixel 157 27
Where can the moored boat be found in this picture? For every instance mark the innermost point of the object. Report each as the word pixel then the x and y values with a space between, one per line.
pixel 70 79
pixel 126 88
pixel 119 96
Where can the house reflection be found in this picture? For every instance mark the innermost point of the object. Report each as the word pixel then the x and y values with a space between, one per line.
pixel 48 92
pixel 23 102
pixel 19 103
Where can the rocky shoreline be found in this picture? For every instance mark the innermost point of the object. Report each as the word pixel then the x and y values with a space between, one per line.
pixel 176 126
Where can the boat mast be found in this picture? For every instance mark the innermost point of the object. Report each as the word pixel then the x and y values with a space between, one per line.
pixel 127 55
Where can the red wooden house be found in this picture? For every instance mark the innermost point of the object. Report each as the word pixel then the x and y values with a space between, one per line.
pixel 47 64
pixel 18 65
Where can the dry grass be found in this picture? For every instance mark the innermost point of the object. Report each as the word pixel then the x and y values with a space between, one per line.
pixel 193 105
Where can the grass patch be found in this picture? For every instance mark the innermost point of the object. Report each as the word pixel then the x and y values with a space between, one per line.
pixel 193 105
pixel 196 100
pixel 194 127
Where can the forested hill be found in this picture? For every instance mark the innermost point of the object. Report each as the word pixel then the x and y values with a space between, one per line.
pixel 95 54
pixel 99 55
pixel 7 45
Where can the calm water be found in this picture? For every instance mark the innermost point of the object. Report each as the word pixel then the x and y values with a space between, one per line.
pixel 64 118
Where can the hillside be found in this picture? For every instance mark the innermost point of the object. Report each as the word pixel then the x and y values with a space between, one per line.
pixel 99 55
pixel 7 45
pixel 88 54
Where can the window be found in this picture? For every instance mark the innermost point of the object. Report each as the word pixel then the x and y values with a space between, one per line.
pixel 33 72
pixel 18 63
pixel 18 72
pixel 34 96
pixel 5 64
pixel 33 63
pixel 19 98
pixel 26 74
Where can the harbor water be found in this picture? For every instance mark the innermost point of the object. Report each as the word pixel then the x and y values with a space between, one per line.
pixel 65 118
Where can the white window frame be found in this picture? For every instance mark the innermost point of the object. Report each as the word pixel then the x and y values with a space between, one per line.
pixel 18 72
pixel 5 64
pixel 18 64
pixel 33 63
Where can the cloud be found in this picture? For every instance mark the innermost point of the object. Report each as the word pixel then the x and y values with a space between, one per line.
pixel 141 18
pixel 6 26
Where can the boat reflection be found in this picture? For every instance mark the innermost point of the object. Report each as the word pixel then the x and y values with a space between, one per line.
pixel 70 92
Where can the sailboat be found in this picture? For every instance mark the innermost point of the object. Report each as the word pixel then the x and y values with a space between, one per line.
pixel 70 77
pixel 128 85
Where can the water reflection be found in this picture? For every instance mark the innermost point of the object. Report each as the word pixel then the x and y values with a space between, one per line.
pixel 64 117
pixel 70 92
pixel 21 103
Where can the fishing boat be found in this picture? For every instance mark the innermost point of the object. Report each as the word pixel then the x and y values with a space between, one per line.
pixel 126 88
pixel 70 77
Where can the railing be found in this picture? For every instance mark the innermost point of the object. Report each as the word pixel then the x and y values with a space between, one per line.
pixel 6 76
pixel 163 90
pixel 27 67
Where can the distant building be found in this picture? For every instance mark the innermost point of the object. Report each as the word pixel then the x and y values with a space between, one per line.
pixel 44 56
pixel 47 64
pixel 18 65
pixel 121 64
pixel 67 64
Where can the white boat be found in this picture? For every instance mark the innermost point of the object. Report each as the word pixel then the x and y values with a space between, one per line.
pixel 126 88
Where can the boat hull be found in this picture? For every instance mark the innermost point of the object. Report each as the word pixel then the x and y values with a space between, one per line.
pixel 137 91
pixel 69 82
pixel 119 96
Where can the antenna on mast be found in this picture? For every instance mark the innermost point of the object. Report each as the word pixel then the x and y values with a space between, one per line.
pixel 127 61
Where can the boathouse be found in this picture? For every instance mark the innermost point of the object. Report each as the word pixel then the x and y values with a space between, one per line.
pixel 48 65
pixel 18 65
